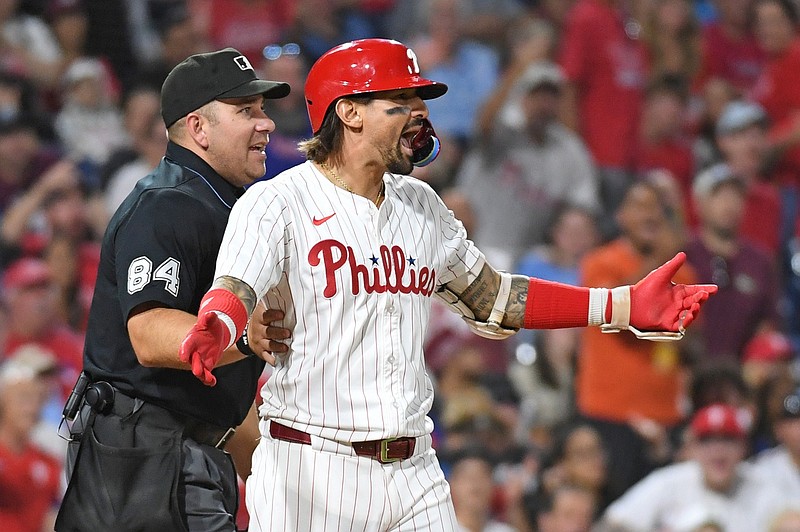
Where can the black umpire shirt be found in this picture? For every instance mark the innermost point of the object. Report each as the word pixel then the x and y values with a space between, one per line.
pixel 161 246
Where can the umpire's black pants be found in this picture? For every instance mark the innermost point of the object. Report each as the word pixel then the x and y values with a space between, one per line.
pixel 136 471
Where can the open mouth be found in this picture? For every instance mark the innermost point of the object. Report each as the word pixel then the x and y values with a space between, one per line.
pixel 259 148
pixel 406 142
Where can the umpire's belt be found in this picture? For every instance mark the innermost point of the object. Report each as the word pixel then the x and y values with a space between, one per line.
pixel 384 451
pixel 194 429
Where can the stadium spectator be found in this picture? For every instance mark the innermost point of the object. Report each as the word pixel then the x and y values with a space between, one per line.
pixel 448 54
pixel 781 463
pixel 126 165
pixel 619 378
pixel 577 458
pixel 29 48
pixel 768 370
pixel 517 176
pixel 287 62
pixel 178 37
pixel 715 486
pixel 89 125
pixel 249 25
pixel 662 143
pixel 714 95
pixel 530 42
pixel 741 134
pixel 24 156
pixel 731 51
pixel 607 68
pixel 569 508
pixel 473 489
pixel 29 290
pixel 672 33
pixel 745 274
pixel 30 479
pixel 542 370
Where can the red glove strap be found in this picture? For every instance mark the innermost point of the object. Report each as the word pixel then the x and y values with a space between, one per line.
pixel 555 305
pixel 225 302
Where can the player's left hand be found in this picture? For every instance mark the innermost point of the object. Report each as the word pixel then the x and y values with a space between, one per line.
pixel 203 345
pixel 658 304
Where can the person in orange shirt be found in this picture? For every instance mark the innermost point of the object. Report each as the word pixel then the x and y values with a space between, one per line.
pixel 630 390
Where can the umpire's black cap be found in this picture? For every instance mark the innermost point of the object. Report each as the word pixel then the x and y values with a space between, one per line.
pixel 202 78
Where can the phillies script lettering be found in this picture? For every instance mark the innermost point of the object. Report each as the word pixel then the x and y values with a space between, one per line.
pixel 333 255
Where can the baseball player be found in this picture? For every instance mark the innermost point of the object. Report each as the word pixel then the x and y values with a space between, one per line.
pixel 353 250
pixel 148 447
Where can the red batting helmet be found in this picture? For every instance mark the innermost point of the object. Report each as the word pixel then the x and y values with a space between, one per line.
pixel 361 67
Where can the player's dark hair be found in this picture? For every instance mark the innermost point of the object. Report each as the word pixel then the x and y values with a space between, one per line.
pixel 328 140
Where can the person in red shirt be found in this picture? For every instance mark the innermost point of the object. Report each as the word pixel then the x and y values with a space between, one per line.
pixel 741 135
pixel 606 65
pixel 30 295
pixel 620 380
pixel 249 25
pixel 30 479
pixel 776 89
pixel 662 144
pixel 730 51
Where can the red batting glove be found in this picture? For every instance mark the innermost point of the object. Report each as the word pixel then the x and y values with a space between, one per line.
pixel 658 304
pixel 203 346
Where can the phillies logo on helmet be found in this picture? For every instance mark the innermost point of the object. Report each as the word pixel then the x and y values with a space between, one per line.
pixel 392 278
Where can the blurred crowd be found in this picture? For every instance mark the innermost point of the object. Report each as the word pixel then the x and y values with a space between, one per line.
pixel 584 141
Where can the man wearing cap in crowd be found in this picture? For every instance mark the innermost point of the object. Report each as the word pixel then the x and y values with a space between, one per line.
pixel 745 273
pixel 30 478
pixel 147 449
pixel 741 136
pixel 30 296
pixel 781 464
pixel 715 485
pixel 525 167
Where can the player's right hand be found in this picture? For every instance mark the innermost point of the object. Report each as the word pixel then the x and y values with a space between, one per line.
pixel 658 304
pixel 203 346
pixel 265 337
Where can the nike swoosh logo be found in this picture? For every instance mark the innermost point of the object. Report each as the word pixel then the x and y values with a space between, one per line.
pixel 320 221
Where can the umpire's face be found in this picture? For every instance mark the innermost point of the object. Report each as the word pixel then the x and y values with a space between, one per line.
pixel 237 132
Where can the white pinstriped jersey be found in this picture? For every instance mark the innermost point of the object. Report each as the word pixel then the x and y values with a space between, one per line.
pixel 356 283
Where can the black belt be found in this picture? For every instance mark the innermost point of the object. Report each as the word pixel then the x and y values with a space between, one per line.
pixel 384 451
pixel 200 431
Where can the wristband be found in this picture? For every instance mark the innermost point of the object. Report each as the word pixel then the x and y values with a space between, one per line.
pixel 243 345
pixel 230 310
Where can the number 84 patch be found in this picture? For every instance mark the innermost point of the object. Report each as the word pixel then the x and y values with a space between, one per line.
pixel 141 273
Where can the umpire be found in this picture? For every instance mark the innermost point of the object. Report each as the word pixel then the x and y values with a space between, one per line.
pixel 147 448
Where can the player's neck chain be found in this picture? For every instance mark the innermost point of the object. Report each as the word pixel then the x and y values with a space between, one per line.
pixel 338 181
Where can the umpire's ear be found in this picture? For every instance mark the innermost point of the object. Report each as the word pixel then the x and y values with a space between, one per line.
pixel 196 125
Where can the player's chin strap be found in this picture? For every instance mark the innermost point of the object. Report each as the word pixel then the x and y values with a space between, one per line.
pixel 492 327
pixel 621 315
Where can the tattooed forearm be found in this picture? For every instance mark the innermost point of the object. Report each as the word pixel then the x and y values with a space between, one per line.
pixel 240 289
pixel 517 299
pixel 480 295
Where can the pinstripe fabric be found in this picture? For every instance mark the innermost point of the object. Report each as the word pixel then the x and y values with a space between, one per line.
pixel 355 282
pixel 356 289
pixel 325 487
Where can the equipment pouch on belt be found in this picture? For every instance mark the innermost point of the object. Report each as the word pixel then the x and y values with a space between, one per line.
pixel 123 488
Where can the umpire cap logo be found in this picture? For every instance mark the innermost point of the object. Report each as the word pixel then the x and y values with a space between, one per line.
pixel 243 63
